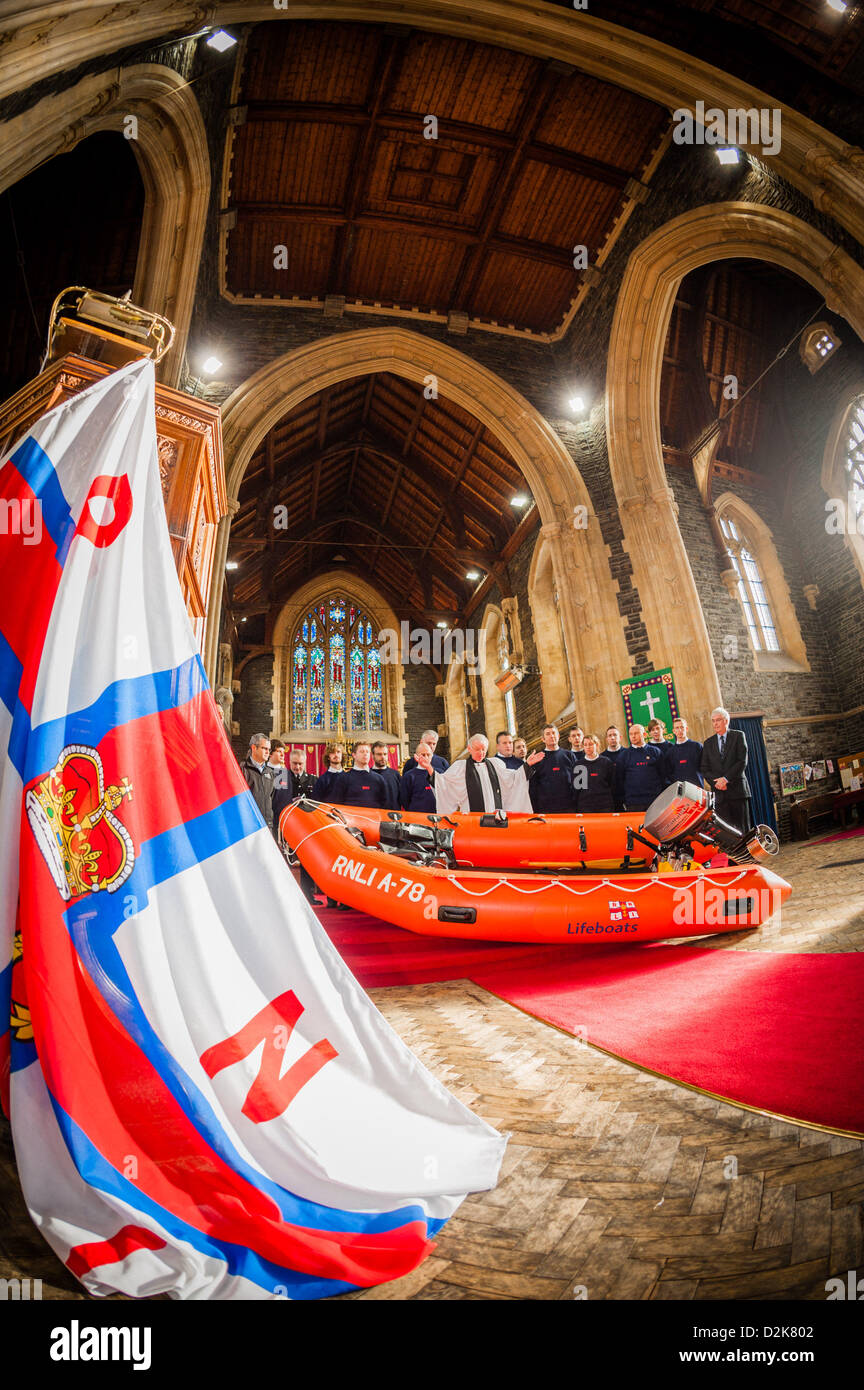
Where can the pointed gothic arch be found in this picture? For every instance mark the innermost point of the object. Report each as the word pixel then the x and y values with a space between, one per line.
pixel 580 559
pixel 843 475
pixel 671 609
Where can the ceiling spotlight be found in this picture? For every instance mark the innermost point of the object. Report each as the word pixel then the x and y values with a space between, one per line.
pixel 211 365
pixel 231 565
pixel 839 5
pixel 221 41
pixel 472 574
pixel 441 625
pixel 520 500
pixel 728 154
pixel 576 404
pixel 242 620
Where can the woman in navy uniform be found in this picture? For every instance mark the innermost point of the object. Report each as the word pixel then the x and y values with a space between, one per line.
pixel 594 779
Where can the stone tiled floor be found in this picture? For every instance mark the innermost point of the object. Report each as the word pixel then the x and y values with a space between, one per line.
pixel 616 1184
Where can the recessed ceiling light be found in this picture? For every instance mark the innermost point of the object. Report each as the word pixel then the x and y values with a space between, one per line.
pixel 211 365
pixel 520 500
pixel 728 154
pixel 221 41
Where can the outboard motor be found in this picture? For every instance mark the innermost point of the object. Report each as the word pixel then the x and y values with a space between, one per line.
pixel 424 844
pixel 685 812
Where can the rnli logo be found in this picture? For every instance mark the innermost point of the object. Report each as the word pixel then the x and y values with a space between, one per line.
pixel 71 813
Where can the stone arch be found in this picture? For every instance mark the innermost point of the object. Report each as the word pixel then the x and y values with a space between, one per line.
pixel 835 482
pixel 793 653
pixel 172 155
pixel 548 632
pixel 579 555
pixel 671 610
pixel 382 615
pixel 41 41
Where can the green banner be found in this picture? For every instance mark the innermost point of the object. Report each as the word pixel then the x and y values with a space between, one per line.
pixel 648 697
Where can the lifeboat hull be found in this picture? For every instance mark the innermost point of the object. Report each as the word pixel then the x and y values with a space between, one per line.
pixel 482 904
pixel 529 842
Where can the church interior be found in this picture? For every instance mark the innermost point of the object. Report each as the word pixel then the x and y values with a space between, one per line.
pixel 477 342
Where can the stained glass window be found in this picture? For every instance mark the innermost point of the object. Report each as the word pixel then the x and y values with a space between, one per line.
pixel 327 693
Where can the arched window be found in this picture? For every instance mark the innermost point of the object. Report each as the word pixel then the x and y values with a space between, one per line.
pixel 756 579
pixel 751 589
pixel 854 460
pixel 335 669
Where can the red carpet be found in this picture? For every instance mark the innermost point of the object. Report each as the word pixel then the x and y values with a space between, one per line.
pixel 776 1032
pixel 852 834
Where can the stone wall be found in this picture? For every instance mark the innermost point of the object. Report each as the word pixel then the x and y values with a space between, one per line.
pixel 252 707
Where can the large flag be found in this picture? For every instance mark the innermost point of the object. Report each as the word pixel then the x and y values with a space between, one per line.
pixel 204 1101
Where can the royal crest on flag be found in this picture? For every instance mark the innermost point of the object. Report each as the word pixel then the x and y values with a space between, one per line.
pixel 204 1102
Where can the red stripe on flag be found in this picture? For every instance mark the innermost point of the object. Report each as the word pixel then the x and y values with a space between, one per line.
pixel 83 1258
pixel 29 575
pixel 110 1089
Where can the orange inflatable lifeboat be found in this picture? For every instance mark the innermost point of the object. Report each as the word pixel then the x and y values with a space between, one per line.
pixel 408 872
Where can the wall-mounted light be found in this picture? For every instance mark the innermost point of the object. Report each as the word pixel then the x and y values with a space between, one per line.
pixel 472 574
pixel 220 40
pixel 839 5
pixel 728 154
pixel 817 344
pixel 231 565
pixel 441 624
pixel 520 500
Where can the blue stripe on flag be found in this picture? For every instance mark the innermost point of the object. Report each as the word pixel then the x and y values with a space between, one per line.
pixel 119 703
pixel 96 1171
pixel 11 671
pixel 91 923
pixel 38 472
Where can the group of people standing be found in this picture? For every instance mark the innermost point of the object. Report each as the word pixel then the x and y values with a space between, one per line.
pixel 588 776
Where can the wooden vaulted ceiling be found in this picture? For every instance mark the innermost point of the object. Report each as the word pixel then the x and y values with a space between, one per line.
pixel 730 320
pixel 411 493
pixel 328 158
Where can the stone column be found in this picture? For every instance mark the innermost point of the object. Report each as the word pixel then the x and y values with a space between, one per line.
pixel 214 605
pixel 593 629
pixel 671 610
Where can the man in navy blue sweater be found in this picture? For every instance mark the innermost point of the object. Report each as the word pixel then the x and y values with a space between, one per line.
pixel 392 780
pixel 504 750
pixel 439 764
pixel 416 792
pixel 359 786
pixel 686 755
pixel 613 750
pixel 639 772
pixel 550 783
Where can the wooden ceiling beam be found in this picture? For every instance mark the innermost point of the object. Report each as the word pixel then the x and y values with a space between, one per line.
pixel 531 116
pixel 492 140
pixel 381 81
pixel 525 247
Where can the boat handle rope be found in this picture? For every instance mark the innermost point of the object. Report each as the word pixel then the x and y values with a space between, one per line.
pixel 627 890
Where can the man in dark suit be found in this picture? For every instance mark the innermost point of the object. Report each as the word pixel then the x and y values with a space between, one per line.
pixel 724 763
pixel 298 782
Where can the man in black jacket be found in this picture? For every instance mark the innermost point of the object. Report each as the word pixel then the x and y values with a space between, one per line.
pixel 298 783
pixel 260 776
pixel 724 760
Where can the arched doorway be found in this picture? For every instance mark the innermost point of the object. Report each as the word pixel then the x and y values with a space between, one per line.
pixel 670 605
pixel 596 647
